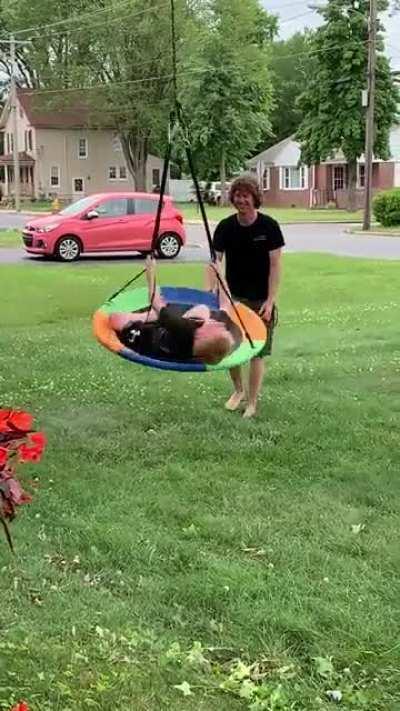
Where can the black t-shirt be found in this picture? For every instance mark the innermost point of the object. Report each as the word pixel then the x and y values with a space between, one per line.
pixel 247 249
pixel 171 337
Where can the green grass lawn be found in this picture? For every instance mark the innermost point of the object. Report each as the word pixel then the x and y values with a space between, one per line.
pixel 284 215
pixel 214 213
pixel 10 238
pixel 179 558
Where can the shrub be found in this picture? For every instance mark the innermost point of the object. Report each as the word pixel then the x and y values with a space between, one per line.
pixel 386 207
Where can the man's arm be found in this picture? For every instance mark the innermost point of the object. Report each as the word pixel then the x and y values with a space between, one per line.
pixel 155 298
pixel 273 283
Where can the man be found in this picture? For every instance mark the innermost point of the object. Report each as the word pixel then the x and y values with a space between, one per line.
pixel 252 244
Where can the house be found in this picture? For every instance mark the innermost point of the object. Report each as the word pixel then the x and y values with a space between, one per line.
pixel 288 183
pixel 63 152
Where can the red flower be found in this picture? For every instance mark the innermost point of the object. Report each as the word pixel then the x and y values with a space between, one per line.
pixel 38 439
pixel 29 454
pixel 22 706
pixel 4 415
pixel 15 420
pixel 3 456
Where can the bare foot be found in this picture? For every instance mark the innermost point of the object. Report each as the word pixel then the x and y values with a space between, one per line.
pixel 250 411
pixel 234 401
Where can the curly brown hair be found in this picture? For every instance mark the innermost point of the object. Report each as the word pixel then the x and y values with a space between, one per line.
pixel 249 184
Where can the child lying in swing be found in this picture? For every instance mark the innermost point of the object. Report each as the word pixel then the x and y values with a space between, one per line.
pixel 165 333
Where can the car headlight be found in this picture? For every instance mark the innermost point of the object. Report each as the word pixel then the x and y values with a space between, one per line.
pixel 48 228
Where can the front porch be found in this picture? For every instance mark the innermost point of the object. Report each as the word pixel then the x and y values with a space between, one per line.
pixel 26 176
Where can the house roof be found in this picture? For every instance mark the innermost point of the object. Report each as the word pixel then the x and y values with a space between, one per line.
pixel 57 109
pixel 271 153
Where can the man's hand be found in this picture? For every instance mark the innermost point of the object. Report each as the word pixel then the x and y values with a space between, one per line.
pixel 211 278
pixel 266 310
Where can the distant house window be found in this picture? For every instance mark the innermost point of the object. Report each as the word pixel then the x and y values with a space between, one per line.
pixel 28 140
pixel 293 178
pixel 8 143
pixel 116 143
pixel 266 179
pixel 339 177
pixel 155 180
pixel 361 176
pixel 112 172
pixel 12 141
pixel 83 148
pixel 122 172
pixel 55 176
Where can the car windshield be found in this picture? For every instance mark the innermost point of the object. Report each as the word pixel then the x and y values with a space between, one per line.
pixel 77 207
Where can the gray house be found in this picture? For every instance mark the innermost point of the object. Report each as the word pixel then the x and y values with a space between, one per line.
pixel 61 153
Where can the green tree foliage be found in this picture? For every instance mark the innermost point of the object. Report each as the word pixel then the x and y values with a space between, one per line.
pixel 229 97
pixel 289 66
pixel 331 106
pixel 117 55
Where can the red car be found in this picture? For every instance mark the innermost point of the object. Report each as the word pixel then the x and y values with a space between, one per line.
pixel 106 222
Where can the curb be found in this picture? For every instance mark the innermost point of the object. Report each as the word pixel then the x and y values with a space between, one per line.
pixel 371 233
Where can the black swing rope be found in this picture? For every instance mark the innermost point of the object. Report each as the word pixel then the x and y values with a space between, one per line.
pixel 177 122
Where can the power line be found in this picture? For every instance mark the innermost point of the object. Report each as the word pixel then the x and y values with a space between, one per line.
pixel 85 16
pixel 296 17
pixel 77 30
pixel 185 72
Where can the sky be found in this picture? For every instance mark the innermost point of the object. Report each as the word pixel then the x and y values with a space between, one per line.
pixel 295 16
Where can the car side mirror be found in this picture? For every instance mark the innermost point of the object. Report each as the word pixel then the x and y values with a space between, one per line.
pixel 91 214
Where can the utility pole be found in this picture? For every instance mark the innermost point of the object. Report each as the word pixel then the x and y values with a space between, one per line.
pixel 14 109
pixel 370 123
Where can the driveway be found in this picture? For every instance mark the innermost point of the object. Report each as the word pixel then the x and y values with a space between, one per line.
pixel 329 238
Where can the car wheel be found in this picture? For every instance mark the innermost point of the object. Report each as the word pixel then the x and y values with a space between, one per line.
pixel 68 249
pixel 169 245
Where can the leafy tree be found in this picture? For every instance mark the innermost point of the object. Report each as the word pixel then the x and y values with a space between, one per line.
pixel 289 66
pixel 118 54
pixel 331 106
pixel 229 97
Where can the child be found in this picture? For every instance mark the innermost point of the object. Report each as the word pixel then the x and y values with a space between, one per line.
pixel 163 332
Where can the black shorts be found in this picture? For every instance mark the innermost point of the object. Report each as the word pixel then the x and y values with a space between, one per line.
pixel 255 305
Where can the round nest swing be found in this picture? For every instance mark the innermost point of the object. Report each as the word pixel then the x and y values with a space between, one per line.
pixel 248 329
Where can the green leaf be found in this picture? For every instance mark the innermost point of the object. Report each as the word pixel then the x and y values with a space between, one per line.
pixel 184 688
pixel 324 666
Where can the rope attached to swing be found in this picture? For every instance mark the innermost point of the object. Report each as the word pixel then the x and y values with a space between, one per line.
pixel 177 122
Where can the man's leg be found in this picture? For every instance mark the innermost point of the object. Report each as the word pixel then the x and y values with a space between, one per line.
pixel 256 376
pixel 236 398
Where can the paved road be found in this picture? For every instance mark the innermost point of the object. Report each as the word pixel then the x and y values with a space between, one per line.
pixel 330 238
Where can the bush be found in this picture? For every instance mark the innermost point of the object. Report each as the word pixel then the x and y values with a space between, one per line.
pixel 386 208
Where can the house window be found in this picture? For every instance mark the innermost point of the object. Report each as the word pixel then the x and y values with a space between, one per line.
pixel 116 143
pixel 83 148
pixel 112 172
pixel 8 142
pixel 28 140
pixel 361 175
pixel 266 179
pixel 155 180
pixel 339 177
pixel 294 178
pixel 122 172
pixel 55 176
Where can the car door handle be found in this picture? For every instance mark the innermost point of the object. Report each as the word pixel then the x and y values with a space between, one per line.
pixel 123 219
